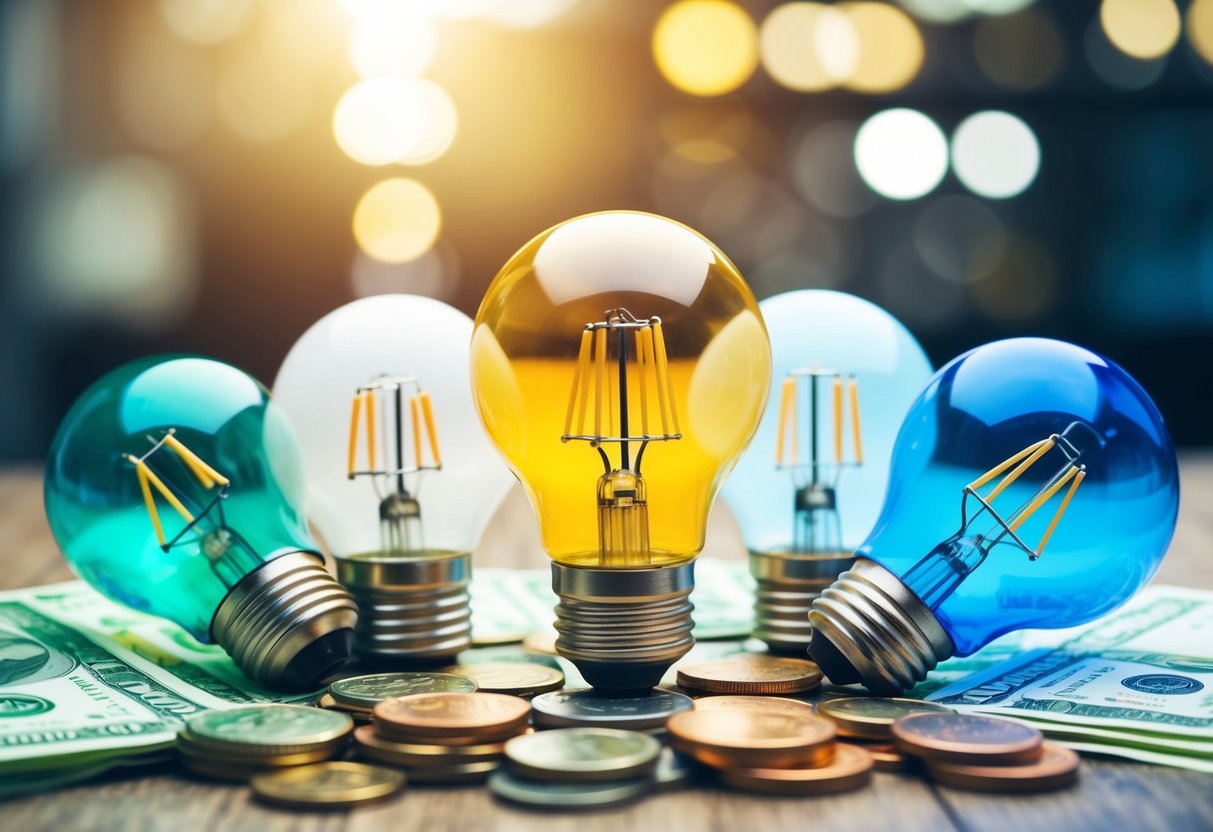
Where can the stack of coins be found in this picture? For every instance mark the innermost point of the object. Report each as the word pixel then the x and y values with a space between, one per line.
pixel 523 679
pixel 327 785
pixel 443 737
pixel 578 768
pixel 751 675
pixel 358 695
pixel 593 709
pixel 868 721
pixel 239 743
pixel 985 753
pixel 781 749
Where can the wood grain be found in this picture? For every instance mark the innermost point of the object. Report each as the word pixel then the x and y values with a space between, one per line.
pixel 1110 794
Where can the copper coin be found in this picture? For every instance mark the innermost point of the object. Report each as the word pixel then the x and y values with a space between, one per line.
pixel 872 717
pixel 1056 768
pixel 760 703
pixel 850 769
pixel 887 756
pixel 752 674
pixel 489 716
pixel 967 739
pixel 513 678
pixel 368 743
pixel 750 738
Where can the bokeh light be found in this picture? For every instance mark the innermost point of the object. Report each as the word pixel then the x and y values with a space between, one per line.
pixel 998 7
pixel 890 47
pixel 206 21
pixel 162 87
pixel 434 274
pixel 823 170
pixel 389 119
pixel 938 11
pixel 527 14
pixel 809 47
pixel 396 42
pixel 1019 51
pixel 1141 28
pixel 261 97
pixel 706 47
pixel 995 154
pixel 1200 28
pixel 901 153
pixel 1115 67
pixel 959 238
pixel 397 220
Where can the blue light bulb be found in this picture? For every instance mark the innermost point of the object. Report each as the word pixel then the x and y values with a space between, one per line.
pixel 1033 485
pixel 174 486
pixel 808 490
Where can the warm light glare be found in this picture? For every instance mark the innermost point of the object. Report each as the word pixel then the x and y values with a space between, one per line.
pixel 397 220
pixel 938 11
pixel 389 119
pixel 261 97
pixel 890 47
pixel 397 44
pixel 808 47
pixel 901 154
pixel 706 47
pixel 206 21
pixel 995 154
pixel 1200 28
pixel 1141 28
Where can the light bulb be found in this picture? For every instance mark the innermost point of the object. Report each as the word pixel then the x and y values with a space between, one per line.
pixel 808 490
pixel 1033 486
pixel 401 478
pixel 620 363
pixel 174 486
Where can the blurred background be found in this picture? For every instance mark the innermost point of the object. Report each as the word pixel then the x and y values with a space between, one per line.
pixel 215 175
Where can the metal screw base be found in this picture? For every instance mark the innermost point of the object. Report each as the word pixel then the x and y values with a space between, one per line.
pixel 623 628
pixel 787 586
pixel 287 624
pixel 413 609
pixel 870 628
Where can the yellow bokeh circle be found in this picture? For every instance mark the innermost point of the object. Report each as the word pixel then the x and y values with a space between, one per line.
pixel 1142 29
pixel 706 47
pixel 808 47
pixel 890 47
pixel 397 220
pixel 1200 28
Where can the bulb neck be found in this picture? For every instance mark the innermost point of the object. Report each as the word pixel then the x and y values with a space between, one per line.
pixel 623 628
pixel 869 628
pixel 787 585
pixel 287 624
pixel 414 608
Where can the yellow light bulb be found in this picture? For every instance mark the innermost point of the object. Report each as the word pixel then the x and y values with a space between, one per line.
pixel 621 365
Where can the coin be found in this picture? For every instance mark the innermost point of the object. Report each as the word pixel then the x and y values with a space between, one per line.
pixel 750 738
pixel 542 643
pixel 1056 768
pixel 447 775
pixel 369 691
pixel 967 739
pixel 588 707
pixel 326 701
pixel 485 716
pixel 888 757
pixel 514 678
pixel 241 756
pixel 850 769
pixel 548 795
pixel 752 674
pixel 268 729
pixel 369 744
pixel 328 785
pixel 583 754
pixel 872 718
pixel 674 770
pixel 761 703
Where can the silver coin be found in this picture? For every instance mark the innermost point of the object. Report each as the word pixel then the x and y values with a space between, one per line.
pixel 368 691
pixel 547 795
pixel 583 754
pixel 588 707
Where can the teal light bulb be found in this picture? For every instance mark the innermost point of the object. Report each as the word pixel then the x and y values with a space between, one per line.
pixel 1033 485
pixel 174 486
pixel 809 488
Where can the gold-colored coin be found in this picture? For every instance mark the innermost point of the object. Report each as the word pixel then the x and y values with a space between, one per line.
pixel 369 690
pixel 872 718
pixel 750 738
pixel 966 739
pixel 759 703
pixel 542 643
pixel 888 757
pixel 326 701
pixel 486 716
pixel 850 769
pixel 368 743
pixel 268 730
pixel 328 785
pixel 1056 768
pixel 754 674
pixel 513 678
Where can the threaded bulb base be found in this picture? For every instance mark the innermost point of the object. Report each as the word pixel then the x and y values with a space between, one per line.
pixel 869 628
pixel 623 628
pixel 287 625
pixel 786 586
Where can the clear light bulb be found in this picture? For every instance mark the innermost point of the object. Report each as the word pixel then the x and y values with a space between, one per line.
pixel 620 363
pixel 1033 485
pixel 401 478
pixel 808 490
pixel 174 486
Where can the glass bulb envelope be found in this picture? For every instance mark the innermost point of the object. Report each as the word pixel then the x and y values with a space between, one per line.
pixel 1033 485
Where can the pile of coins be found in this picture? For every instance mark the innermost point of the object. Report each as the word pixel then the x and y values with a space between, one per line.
pixel 443 737
pixel 868 721
pixel 358 695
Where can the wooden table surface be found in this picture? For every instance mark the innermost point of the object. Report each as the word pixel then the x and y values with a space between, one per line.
pixel 1110 795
